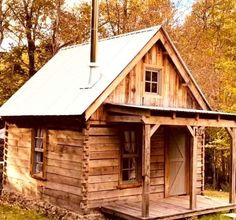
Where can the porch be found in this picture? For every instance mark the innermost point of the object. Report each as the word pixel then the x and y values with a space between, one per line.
pixel 176 207
pixel 194 121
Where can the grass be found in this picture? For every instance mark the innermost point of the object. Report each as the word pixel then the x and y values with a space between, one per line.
pixel 219 195
pixel 218 216
pixel 16 213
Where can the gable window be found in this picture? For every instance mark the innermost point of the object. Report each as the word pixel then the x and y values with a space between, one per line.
pixel 130 158
pixel 38 152
pixel 152 80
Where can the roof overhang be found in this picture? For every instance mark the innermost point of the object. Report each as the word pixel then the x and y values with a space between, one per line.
pixel 169 116
pixel 73 121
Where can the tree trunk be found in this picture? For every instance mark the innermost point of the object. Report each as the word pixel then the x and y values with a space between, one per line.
pixel 31 46
pixel 1 23
pixel 214 170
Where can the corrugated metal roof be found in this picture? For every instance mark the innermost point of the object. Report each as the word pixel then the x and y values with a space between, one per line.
pixel 59 88
pixel 170 109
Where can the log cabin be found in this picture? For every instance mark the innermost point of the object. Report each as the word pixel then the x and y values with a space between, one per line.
pixel 125 140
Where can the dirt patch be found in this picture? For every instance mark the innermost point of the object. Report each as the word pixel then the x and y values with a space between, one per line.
pixel 45 208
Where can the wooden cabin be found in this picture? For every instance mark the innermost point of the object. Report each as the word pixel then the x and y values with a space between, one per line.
pixel 124 140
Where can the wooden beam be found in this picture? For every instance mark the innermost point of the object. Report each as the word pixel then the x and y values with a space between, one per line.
pixel 232 133
pixel 188 121
pixel 170 121
pixel 127 110
pixel 129 119
pixel 154 129
pixel 191 130
pixel 146 170
pixel 193 169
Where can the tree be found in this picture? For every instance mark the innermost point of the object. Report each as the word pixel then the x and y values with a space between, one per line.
pixel 210 28
pixel 128 15
pixel 3 21
pixel 28 20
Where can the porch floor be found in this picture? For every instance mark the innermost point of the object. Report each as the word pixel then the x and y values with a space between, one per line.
pixel 176 207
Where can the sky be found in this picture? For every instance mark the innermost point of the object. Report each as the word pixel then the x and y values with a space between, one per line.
pixel 183 6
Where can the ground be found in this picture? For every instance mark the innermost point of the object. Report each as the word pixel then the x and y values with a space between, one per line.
pixel 16 213
pixel 218 195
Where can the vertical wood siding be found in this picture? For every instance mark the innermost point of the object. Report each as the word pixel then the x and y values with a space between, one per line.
pixel 174 91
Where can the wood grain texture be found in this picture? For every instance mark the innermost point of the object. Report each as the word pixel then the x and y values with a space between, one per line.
pixel 172 92
pixel 63 166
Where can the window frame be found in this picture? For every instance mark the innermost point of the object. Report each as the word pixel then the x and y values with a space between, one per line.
pixel 153 68
pixel 41 175
pixel 137 182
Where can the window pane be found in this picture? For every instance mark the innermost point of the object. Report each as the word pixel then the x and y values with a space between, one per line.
pixel 38 143
pixel 154 87
pixel 38 157
pixel 125 175
pixel 148 76
pixel 147 87
pixel 154 76
pixel 129 169
pixel 38 168
pixel 39 132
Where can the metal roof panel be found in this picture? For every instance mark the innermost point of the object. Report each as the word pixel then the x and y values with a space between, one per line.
pixel 60 87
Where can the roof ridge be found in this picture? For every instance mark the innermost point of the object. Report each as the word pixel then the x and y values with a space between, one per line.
pixel 157 27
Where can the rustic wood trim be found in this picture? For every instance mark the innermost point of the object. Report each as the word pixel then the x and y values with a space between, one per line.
pixel 193 169
pixel 154 128
pixel 126 184
pixel 147 67
pixel 32 156
pixel 85 170
pixel 32 152
pixel 232 133
pixel 146 149
pixel 166 164
pixel 191 130
pixel 122 110
pixel 5 150
pixel 188 121
pixel 187 165
pixel 170 121
pixel 93 107
pixel 45 141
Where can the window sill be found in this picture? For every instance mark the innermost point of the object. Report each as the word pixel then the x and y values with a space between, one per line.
pixel 38 177
pixel 156 95
pixel 128 185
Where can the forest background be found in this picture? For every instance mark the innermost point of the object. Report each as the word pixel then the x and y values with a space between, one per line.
pixel 206 38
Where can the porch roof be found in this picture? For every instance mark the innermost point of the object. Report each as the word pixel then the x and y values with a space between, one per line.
pixel 178 116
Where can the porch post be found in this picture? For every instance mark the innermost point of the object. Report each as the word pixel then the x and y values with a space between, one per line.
pixel 193 168
pixel 146 170
pixel 232 133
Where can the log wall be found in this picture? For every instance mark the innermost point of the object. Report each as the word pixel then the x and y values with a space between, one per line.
pixel 82 168
pixel 62 186
pixel 104 167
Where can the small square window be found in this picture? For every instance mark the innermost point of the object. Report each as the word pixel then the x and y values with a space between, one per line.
pixel 152 81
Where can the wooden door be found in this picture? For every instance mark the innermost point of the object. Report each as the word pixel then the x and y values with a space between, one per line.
pixel 177 162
